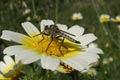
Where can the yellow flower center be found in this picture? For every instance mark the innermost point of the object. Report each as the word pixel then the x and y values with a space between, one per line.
pixel 50 47
pixel 104 19
pixel 9 68
pixel 12 72
pixel 76 17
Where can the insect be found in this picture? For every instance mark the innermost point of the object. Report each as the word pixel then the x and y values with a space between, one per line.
pixel 56 33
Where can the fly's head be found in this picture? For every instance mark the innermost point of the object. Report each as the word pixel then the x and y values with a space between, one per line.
pixel 51 30
pixel 53 27
pixel 46 29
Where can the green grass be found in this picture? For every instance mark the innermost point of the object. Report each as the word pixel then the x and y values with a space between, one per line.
pixel 11 18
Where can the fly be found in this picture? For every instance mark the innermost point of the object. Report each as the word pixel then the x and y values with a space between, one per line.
pixel 55 33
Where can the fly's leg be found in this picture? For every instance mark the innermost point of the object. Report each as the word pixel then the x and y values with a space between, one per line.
pixel 38 35
pixel 42 33
pixel 62 44
pixel 49 44
pixel 62 41
pixel 42 38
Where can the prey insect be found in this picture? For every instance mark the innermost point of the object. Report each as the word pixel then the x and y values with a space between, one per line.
pixel 55 33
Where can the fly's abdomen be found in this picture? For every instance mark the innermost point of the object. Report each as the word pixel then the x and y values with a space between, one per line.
pixel 68 37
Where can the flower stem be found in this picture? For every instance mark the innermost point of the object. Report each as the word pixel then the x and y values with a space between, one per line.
pixel 74 75
pixel 56 11
pixel 34 11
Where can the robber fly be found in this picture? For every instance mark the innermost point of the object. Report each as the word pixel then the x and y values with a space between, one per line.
pixel 55 33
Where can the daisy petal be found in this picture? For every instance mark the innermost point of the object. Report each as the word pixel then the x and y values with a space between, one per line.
pixel 49 62
pixel 44 23
pixel 27 56
pixel 88 57
pixel 13 50
pixel 12 36
pixel 3 66
pixel 94 50
pixel 76 63
pixel 76 30
pixel 8 60
pixel 62 27
pixel 87 38
pixel 30 29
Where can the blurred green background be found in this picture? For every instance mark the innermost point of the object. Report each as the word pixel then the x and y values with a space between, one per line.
pixel 14 12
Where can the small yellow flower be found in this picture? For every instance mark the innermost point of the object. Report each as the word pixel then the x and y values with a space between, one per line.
pixel 107 45
pixel 104 18
pixel 10 70
pixel 116 20
pixel 77 16
pixel 92 72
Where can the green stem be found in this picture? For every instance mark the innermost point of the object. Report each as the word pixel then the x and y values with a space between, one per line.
pixel 56 12
pixel 74 75
pixel 33 5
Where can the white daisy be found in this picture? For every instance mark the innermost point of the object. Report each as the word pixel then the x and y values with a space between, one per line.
pixel 77 16
pixel 10 69
pixel 104 18
pixel 32 48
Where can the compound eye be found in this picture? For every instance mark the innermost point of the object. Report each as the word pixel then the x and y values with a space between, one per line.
pixel 51 26
pixel 46 27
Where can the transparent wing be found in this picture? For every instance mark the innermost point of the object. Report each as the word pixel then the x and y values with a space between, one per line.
pixel 66 32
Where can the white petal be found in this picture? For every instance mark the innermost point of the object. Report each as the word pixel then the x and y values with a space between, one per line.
pixel 30 29
pixel 49 62
pixel 27 56
pixel 76 63
pixel 76 30
pixel 62 27
pixel 43 23
pixel 94 50
pixel 3 66
pixel 92 45
pixel 87 38
pixel 8 60
pixel 11 50
pixel 12 36
pixel 88 57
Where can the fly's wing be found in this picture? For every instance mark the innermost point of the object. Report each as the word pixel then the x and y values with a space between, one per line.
pixel 66 33
pixel 68 36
